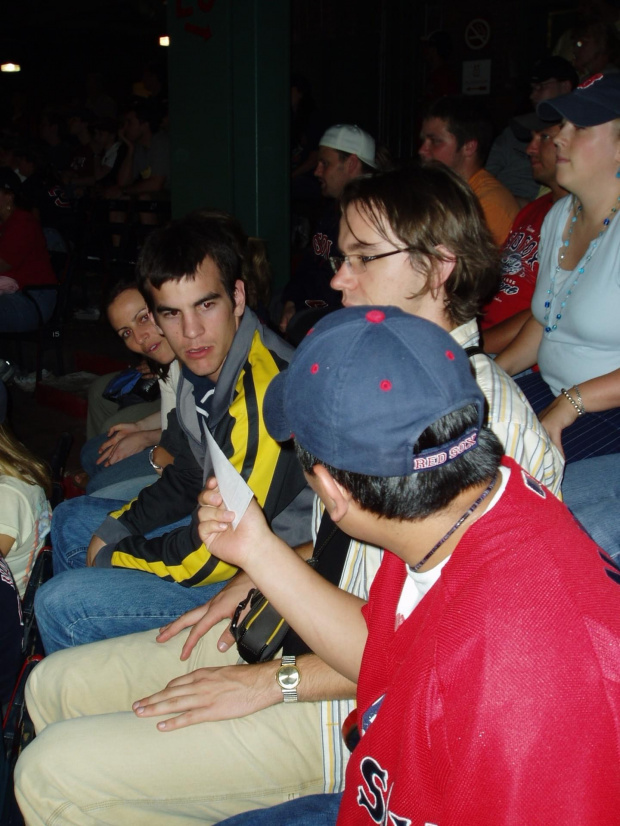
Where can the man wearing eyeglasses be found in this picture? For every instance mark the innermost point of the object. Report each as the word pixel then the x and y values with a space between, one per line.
pixel 256 735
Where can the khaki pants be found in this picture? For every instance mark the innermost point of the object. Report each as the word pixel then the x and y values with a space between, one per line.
pixel 94 762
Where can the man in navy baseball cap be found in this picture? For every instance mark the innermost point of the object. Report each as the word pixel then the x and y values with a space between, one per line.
pixel 481 648
pixel 596 100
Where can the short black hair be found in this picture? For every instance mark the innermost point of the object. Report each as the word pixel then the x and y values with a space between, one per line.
pixel 178 249
pixel 467 120
pixel 147 111
pixel 426 492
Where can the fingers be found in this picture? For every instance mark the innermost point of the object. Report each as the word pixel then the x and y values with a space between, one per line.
pixel 184 621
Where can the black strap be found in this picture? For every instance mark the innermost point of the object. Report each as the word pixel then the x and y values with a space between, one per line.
pixel 474 350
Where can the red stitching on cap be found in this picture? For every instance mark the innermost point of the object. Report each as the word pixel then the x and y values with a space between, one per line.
pixel 315 368
pixel 375 316
pixel 450 355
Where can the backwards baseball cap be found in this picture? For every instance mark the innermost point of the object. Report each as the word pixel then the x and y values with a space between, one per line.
pixel 555 67
pixel 364 385
pixel 595 101
pixel 351 139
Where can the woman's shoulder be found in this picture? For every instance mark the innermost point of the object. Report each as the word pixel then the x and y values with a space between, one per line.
pixel 12 486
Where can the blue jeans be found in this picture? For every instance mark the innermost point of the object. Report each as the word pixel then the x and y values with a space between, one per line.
pixel 74 523
pixel 132 468
pixel 80 605
pixel 91 604
pixel 313 810
pixel 591 489
pixel 18 313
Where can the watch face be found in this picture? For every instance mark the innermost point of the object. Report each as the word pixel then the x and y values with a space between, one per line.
pixel 288 676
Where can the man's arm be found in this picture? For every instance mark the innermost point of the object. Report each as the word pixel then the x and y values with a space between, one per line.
pixel 234 691
pixel 328 619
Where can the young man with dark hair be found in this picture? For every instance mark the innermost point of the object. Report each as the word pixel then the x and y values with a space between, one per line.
pixel 457 132
pixel 192 278
pixel 255 748
pixel 484 647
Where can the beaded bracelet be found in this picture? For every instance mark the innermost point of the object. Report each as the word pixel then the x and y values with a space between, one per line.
pixel 578 407
pixel 579 399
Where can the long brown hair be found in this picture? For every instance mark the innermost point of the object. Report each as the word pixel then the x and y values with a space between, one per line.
pixel 20 463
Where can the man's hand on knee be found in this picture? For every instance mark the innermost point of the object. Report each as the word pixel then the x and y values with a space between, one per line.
pixel 210 694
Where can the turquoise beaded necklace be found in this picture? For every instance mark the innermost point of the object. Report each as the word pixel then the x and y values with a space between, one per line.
pixel 578 272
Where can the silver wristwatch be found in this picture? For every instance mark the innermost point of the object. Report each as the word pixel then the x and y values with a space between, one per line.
pixel 288 678
pixel 152 461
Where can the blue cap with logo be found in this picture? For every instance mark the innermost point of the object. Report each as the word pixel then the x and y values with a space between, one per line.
pixel 596 100
pixel 364 385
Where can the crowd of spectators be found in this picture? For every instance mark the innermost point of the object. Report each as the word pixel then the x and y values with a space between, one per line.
pixel 491 269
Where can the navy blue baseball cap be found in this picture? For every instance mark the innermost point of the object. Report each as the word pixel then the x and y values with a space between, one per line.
pixel 363 386
pixel 595 101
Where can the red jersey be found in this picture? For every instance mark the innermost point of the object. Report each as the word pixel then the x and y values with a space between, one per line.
pixel 519 264
pixel 497 701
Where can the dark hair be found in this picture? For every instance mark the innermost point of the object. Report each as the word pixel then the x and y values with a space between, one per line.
pixel 422 494
pixel 118 288
pixel 425 207
pixel 147 111
pixel 466 120
pixel 178 249
pixel 255 269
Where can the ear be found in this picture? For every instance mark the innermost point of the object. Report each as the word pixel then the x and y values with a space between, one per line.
pixel 335 498
pixel 239 297
pixel 469 148
pixel 353 166
pixel 442 268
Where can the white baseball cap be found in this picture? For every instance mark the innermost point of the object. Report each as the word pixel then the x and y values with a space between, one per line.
pixel 351 139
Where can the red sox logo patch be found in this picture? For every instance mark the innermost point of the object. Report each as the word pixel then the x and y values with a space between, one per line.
pixel 374 794
pixel 321 245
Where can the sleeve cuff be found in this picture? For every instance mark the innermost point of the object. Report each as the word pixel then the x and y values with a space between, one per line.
pixel 104 557
pixel 112 531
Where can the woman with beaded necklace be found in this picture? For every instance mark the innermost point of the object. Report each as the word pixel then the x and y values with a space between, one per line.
pixel 574 334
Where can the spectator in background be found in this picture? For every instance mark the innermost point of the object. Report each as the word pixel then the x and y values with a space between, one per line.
pixel 56 149
pixel 440 77
pixel 457 132
pixel 510 308
pixel 25 512
pixel 146 165
pixel 81 164
pixel 108 152
pixel 24 262
pixel 596 49
pixel 508 159
pixel 345 152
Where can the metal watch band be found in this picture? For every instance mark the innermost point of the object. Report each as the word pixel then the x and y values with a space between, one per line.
pixel 152 461
pixel 288 678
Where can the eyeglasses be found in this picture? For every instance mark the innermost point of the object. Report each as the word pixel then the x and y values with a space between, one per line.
pixel 357 263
